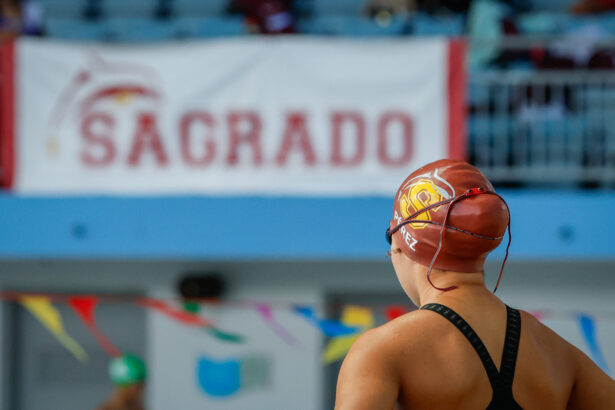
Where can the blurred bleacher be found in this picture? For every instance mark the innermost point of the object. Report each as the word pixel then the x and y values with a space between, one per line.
pixel 540 86
pixel 139 20
pixel 155 20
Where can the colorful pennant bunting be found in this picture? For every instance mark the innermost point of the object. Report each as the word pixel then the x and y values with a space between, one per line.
pixel 186 318
pixel 337 348
pixel 225 336
pixel 194 308
pixel 538 314
pixel 85 308
pixel 394 311
pixel 265 311
pixel 48 315
pixel 588 329
pixel 354 321
pixel 331 328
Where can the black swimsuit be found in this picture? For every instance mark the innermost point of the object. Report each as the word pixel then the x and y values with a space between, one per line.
pixel 501 382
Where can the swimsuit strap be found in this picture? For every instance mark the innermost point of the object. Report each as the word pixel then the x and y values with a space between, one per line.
pixel 503 398
pixel 511 346
pixel 472 337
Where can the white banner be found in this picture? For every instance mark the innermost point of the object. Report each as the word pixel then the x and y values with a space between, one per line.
pixel 238 116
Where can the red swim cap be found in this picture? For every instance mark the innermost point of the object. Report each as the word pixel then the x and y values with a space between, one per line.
pixel 447 215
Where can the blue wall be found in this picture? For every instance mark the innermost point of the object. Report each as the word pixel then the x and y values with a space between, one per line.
pixel 567 225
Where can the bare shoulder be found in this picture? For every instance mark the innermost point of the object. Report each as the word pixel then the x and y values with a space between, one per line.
pixel 411 325
pixel 401 336
pixel 592 388
pixel 413 322
pixel 548 344
pixel 530 321
pixel 383 344
pixel 535 329
pixel 370 376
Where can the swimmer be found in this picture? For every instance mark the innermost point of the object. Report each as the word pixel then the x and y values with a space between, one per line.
pixel 464 348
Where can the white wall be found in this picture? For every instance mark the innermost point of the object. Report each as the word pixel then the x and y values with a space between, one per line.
pixel 297 375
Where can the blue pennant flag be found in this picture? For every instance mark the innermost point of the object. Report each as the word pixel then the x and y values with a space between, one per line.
pixel 331 328
pixel 588 328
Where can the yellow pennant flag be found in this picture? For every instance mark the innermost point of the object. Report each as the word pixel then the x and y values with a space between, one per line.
pixel 339 346
pixel 43 310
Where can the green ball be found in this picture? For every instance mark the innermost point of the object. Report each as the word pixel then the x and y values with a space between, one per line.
pixel 126 370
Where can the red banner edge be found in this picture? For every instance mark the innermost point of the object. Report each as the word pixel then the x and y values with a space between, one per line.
pixel 7 114
pixel 457 134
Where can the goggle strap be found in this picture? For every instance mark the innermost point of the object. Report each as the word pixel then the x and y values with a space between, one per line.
pixel 454 228
pixel 435 256
pixel 420 211
pixel 507 249
pixel 451 201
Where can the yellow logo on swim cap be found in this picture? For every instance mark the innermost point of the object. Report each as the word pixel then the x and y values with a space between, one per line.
pixel 422 193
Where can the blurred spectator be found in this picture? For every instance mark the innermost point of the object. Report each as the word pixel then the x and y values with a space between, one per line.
pixel 32 18
pixel 388 8
pixel 268 16
pixel 578 48
pixel 20 17
pixel 592 6
pixel 383 11
pixel 10 19
pixel 128 374
pixel 463 6
pixel 485 29
pixel 444 6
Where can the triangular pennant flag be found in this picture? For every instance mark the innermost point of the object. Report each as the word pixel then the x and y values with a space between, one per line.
pixel 588 328
pixel 265 311
pixel 48 315
pixel 394 311
pixel 331 328
pixel 186 318
pixel 194 308
pixel 225 336
pixel 84 307
pixel 538 314
pixel 361 317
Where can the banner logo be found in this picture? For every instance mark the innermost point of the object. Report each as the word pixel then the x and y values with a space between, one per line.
pixel 100 100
